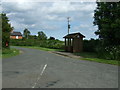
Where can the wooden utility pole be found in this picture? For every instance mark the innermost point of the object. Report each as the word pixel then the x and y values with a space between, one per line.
pixel 68 24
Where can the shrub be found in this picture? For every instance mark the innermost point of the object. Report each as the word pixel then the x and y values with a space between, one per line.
pixel 109 52
pixel 90 45
pixel 55 44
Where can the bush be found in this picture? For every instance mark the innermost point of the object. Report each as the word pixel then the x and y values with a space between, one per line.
pixel 90 45
pixel 110 52
pixel 55 44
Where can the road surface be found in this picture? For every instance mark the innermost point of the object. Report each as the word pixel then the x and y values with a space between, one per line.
pixel 40 69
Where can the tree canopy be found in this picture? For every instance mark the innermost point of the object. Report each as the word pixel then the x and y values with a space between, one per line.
pixel 26 33
pixel 42 35
pixel 51 38
pixel 106 17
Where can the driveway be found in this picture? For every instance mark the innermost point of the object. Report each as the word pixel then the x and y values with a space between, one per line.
pixel 40 69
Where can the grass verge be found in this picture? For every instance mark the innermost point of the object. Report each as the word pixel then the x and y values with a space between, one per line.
pixel 113 62
pixel 42 48
pixel 93 57
pixel 6 53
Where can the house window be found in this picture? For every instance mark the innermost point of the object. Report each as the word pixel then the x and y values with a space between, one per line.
pixel 16 37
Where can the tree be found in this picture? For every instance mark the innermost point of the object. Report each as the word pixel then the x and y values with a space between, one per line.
pixel 6 29
pixel 26 33
pixel 32 37
pixel 41 35
pixel 51 38
pixel 106 17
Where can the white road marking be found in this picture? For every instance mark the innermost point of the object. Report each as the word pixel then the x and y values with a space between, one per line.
pixel 40 75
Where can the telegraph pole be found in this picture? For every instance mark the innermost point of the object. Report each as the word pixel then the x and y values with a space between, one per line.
pixel 68 24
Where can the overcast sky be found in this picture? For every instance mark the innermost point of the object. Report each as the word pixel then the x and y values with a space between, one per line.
pixel 51 17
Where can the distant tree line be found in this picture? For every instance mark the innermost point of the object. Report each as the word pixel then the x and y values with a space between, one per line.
pixel 39 40
pixel 41 35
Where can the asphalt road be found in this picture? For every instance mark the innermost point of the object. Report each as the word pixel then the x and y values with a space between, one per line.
pixel 40 69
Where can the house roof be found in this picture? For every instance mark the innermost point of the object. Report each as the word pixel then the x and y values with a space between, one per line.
pixel 74 35
pixel 16 34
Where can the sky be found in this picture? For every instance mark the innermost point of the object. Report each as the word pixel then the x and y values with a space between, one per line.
pixel 51 17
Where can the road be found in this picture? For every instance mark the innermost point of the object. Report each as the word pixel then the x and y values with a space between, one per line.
pixel 40 69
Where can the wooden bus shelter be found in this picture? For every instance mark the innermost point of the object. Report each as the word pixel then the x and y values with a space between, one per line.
pixel 73 42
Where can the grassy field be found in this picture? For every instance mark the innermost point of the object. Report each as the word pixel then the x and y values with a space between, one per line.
pixel 93 57
pixel 6 53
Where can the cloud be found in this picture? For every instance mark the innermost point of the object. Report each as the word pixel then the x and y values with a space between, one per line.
pixel 65 7
pixel 49 16
pixel 91 14
pixel 81 26
pixel 84 26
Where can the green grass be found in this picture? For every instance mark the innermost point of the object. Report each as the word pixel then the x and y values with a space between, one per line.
pixel 6 53
pixel 42 48
pixel 93 57
pixel 113 62
pixel 87 54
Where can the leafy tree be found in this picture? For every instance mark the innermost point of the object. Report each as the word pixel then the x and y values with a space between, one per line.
pixel 26 33
pixel 41 35
pixel 32 37
pixel 6 29
pixel 107 18
pixel 51 38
